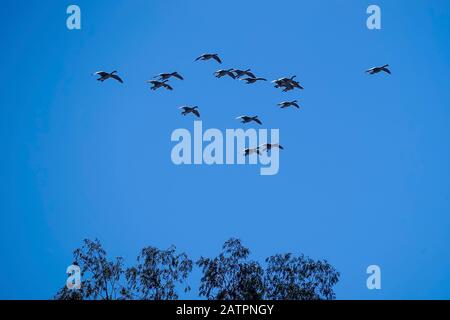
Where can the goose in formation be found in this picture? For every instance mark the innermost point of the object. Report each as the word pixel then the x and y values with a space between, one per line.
pixel 187 110
pixel 283 81
pixel 207 56
pixel 287 104
pixel 222 73
pixel 105 76
pixel 291 86
pixel 247 119
pixel 249 151
pixel 252 80
pixel 241 73
pixel 167 76
pixel 159 84
pixel 287 83
pixel 287 87
pixel 268 146
pixel 296 84
pixel 376 70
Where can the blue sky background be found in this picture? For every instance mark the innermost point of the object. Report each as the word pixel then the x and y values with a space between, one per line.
pixel 364 179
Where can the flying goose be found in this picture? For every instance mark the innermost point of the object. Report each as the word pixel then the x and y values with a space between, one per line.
pixel 241 73
pixel 283 81
pixel 207 56
pixel 268 146
pixel 187 110
pixel 291 86
pixel 105 76
pixel 296 84
pixel 287 87
pixel 247 119
pixel 167 76
pixel 158 84
pixel 249 151
pixel 287 104
pixel 376 70
pixel 221 73
pixel 287 83
pixel 252 80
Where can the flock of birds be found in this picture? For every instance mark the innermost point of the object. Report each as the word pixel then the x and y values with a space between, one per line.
pixel 286 84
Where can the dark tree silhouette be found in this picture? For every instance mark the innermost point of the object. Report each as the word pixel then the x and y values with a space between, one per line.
pixel 154 277
pixel 231 276
pixel 101 277
pixel 157 274
pixel 289 277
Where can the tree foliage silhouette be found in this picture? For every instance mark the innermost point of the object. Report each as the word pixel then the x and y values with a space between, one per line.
pixel 290 277
pixel 157 273
pixel 154 277
pixel 232 275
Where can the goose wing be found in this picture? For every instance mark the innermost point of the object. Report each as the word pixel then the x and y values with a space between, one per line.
pixel 216 57
pixel 167 87
pixel 257 121
pixel 231 74
pixel 117 78
pixel 250 74
pixel 178 76
pixel 101 73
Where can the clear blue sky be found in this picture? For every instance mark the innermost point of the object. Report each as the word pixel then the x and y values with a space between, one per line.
pixel 364 177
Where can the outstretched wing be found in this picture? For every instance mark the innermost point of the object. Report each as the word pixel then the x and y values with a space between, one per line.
pixel 216 57
pixel 195 111
pixel 231 74
pixel 250 151
pixel 250 74
pixel 101 73
pixel 277 145
pixel 257 121
pixel 178 76
pixel 386 70
pixel 117 78
pixel 264 147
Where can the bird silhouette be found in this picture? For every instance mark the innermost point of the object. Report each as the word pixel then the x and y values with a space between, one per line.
pixel 376 70
pixel 268 146
pixel 247 119
pixel 249 151
pixel 106 75
pixel 221 73
pixel 208 56
pixel 167 76
pixel 159 84
pixel 252 80
pixel 187 110
pixel 241 73
pixel 287 104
